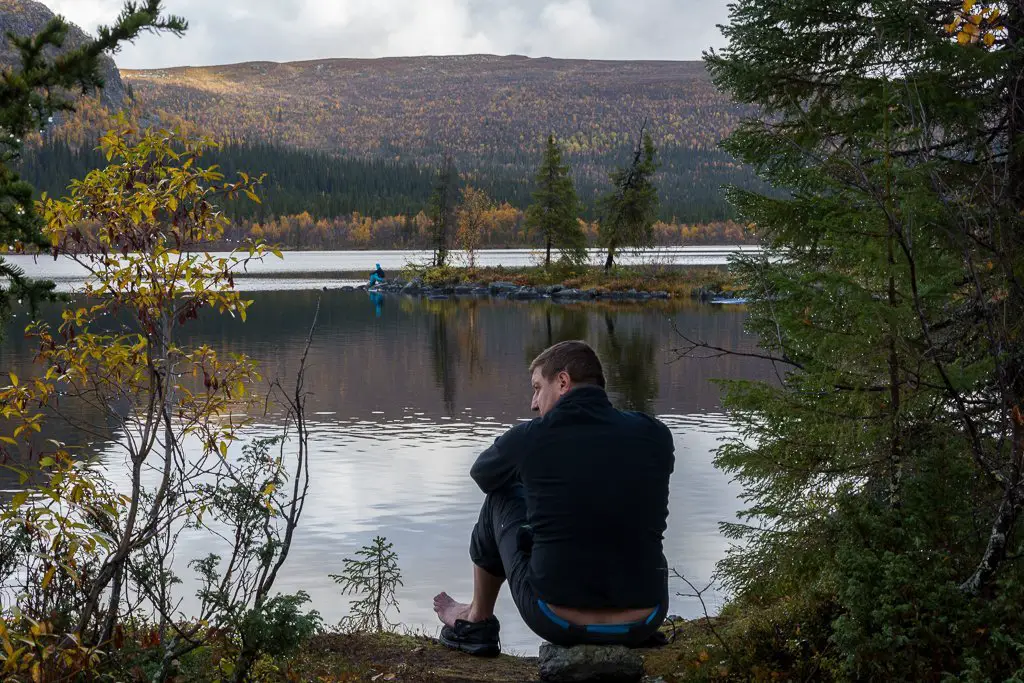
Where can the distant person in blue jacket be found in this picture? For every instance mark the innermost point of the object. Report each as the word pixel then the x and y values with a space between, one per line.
pixel 377 276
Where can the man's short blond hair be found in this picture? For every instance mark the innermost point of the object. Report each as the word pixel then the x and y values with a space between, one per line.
pixel 576 358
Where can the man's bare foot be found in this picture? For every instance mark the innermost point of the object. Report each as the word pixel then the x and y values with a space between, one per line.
pixel 448 611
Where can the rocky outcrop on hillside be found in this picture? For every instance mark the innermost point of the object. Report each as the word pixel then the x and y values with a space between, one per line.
pixel 27 17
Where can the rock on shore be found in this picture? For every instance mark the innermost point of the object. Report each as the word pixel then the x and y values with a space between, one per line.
pixel 511 291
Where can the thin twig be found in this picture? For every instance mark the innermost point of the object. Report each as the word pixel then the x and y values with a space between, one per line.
pixel 699 594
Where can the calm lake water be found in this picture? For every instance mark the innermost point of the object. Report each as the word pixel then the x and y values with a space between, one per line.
pixel 407 392
pixel 300 270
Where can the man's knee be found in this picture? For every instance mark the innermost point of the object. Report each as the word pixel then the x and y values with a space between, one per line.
pixel 483 549
pixel 501 510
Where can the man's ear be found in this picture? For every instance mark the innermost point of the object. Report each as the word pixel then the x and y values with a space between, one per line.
pixel 564 381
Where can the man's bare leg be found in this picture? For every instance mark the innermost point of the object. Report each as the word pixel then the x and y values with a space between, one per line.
pixel 485 595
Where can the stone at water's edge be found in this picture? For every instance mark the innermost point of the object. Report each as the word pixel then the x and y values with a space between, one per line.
pixel 604 664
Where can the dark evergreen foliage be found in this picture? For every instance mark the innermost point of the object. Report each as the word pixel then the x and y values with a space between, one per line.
pixel 629 211
pixel 884 468
pixel 441 209
pixel 554 212
pixel 329 186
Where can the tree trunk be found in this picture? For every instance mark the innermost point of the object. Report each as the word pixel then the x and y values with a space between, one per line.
pixel 610 263
pixel 998 538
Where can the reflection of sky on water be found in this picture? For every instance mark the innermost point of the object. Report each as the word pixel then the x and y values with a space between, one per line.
pixel 300 270
pixel 405 477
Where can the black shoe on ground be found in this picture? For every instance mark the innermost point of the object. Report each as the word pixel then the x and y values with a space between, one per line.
pixel 479 638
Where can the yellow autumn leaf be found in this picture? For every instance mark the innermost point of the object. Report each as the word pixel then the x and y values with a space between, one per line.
pixel 990 40
pixel 969 5
pixel 14 379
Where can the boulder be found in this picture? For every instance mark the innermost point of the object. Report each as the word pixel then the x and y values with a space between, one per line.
pixel 596 663
pixel 567 294
pixel 527 294
pixel 463 290
pixel 660 295
pixel 502 287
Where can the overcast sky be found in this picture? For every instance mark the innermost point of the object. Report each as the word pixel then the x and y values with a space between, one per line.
pixel 227 31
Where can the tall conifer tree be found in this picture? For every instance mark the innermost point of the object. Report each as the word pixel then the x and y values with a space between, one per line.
pixel 444 203
pixel 884 464
pixel 554 213
pixel 629 211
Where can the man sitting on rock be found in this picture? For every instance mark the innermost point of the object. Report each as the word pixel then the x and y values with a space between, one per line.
pixel 576 509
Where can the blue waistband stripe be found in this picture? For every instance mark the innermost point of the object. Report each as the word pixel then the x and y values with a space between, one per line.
pixel 551 615
pixel 615 629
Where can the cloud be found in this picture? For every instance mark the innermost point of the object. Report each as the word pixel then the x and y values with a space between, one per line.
pixel 226 31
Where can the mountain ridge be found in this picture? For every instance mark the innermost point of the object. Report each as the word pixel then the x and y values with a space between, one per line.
pixel 28 17
pixel 493 113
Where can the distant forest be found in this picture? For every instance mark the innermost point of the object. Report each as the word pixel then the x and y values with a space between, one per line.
pixel 327 186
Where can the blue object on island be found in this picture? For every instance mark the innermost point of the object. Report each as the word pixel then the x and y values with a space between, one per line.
pixel 728 302
pixel 377 276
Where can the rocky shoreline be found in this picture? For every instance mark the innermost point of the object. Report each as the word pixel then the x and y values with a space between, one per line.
pixel 515 292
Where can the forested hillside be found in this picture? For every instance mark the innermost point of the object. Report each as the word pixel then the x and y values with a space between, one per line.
pixel 492 113
pixel 365 137
pixel 315 200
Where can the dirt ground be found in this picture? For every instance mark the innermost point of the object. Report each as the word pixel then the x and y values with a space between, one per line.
pixel 339 658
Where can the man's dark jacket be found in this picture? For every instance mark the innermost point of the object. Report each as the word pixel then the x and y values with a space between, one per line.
pixel 596 482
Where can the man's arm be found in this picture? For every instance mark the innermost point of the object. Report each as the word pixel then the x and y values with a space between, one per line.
pixel 498 466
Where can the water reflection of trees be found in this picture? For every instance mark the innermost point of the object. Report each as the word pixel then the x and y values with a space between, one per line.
pixel 629 363
pixel 554 323
pixel 629 356
pixel 472 337
pixel 444 351
pixel 438 357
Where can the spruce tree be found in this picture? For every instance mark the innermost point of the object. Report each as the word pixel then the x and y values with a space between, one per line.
pixel 629 211
pixel 884 463
pixel 554 212
pixel 444 202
